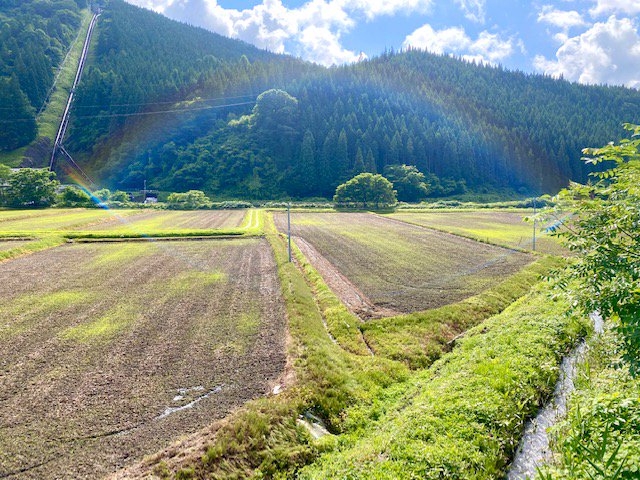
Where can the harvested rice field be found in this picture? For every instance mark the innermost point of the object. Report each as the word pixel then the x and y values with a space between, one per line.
pixel 128 221
pixel 175 220
pixel 113 351
pixel 397 267
pixel 494 226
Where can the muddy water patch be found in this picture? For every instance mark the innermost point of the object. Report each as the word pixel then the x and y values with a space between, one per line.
pixel 534 450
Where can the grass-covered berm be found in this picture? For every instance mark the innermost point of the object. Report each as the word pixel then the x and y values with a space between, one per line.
pixel 461 416
pixel 111 351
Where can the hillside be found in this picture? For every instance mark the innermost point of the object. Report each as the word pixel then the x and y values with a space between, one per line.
pixel 175 122
pixel 35 38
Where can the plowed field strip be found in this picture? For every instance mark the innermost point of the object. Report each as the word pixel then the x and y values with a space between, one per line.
pixel 99 341
pixel 401 267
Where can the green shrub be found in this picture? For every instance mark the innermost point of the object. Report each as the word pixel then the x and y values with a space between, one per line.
pixel 73 197
pixel 191 200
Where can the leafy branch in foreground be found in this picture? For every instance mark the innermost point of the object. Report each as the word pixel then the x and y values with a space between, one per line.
pixel 604 233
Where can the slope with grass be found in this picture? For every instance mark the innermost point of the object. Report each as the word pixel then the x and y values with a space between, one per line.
pixel 463 417
pixel 41 53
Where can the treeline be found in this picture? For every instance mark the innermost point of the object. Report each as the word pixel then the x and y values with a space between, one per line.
pixel 462 125
pixel 34 38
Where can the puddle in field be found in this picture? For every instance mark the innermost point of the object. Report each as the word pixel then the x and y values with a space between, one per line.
pixel 534 451
pixel 191 395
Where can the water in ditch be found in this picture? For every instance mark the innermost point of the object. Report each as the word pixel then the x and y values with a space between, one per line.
pixel 534 451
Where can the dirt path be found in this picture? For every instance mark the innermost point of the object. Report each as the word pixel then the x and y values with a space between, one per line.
pixel 348 293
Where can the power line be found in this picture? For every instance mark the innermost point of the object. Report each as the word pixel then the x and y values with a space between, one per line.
pixel 164 103
pixel 134 114
pixel 179 110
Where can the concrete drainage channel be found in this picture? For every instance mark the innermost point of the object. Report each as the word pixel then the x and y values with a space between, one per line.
pixel 534 451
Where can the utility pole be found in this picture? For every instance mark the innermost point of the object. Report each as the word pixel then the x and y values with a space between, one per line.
pixel 535 224
pixel 144 191
pixel 289 228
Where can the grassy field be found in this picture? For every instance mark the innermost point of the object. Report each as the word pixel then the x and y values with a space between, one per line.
pixel 434 420
pixel 399 267
pixel 500 227
pixel 105 347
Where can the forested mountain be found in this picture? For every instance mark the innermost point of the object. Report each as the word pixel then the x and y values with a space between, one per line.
pixel 174 105
pixel 34 38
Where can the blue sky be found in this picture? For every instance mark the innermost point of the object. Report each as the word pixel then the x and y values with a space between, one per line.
pixel 590 41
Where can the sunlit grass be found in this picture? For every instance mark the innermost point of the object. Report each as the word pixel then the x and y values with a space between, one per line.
pixel 116 320
pixel 501 227
pixel 20 314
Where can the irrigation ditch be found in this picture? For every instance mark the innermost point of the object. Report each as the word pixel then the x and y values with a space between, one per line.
pixel 533 450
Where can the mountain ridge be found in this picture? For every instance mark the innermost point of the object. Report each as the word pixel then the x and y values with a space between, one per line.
pixel 464 125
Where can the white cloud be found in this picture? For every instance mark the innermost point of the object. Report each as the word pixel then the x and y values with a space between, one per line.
pixel 474 10
pixel 376 8
pixel 312 29
pixel 564 19
pixel 609 52
pixel 322 46
pixel 606 7
pixel 486 48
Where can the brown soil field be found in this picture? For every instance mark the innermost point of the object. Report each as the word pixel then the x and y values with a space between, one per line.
pixel 113 351
pixel 397 267
pixel 173 220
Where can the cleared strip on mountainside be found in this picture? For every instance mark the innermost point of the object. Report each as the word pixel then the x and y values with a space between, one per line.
pixel 112 351
pixel 399 267
pixel 494 226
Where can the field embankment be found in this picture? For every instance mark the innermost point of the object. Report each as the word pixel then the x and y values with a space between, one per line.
pixel 463 417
